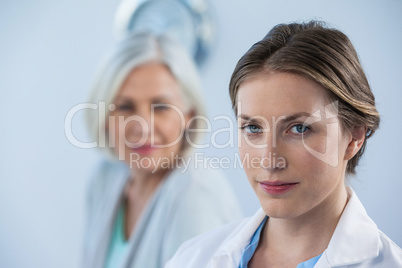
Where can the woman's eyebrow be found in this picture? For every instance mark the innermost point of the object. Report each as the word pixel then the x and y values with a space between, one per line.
pixel 252 119
pixel 162 98
pixel 244 117
pixel 295 116
pixel 280 118
pixel 122 98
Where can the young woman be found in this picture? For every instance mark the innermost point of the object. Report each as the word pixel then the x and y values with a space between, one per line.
pixel 148 197
pixel 305 111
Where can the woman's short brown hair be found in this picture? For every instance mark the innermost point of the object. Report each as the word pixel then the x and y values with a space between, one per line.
pixel 324 55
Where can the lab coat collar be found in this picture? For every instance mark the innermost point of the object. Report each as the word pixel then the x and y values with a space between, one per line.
pixel 233 247
pixel 355 239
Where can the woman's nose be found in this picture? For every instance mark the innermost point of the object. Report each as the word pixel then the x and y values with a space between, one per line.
pixel 271 156
pixel 141 123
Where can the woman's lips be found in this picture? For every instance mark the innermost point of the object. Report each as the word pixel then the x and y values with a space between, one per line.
pixel 143 150
pixel 277 187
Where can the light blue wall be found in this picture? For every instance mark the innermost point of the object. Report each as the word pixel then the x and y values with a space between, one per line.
pixel 48 54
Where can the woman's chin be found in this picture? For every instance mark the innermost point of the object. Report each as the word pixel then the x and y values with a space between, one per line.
pixel 280 209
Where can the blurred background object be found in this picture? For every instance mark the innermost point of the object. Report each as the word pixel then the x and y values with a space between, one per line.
pixel 49 51
pixel 188 21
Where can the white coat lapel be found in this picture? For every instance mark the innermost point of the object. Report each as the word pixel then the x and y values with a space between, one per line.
pixel 230 252
pixel 355 239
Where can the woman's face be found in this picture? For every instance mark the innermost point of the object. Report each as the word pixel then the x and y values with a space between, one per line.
pixel 149 119
pixel 296 149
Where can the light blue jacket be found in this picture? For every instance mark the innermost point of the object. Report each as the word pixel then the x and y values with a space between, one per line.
pixel 189 202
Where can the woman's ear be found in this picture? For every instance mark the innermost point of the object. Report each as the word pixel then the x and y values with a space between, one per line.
pixel 358 136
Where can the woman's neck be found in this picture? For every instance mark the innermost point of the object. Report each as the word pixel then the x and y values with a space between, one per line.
pixel 142 183
pixel 306 236
pixel 138 191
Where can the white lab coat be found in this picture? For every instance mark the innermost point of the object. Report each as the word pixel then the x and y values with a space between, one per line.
pixel 187 203
pixel 356 243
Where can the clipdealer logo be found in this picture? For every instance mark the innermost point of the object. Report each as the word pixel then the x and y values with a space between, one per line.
pixel 106 137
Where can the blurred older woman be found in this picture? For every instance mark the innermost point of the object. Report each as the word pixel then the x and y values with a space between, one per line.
pixel 148 196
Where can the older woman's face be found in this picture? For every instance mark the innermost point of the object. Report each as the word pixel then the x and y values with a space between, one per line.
pixel 296 149
pixel 149 119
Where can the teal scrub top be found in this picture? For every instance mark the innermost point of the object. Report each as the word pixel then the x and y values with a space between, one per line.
pixel 250 249
pixel 118 244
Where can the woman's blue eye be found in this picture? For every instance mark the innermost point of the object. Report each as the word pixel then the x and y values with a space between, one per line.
pixel 252 129
pixel 299 129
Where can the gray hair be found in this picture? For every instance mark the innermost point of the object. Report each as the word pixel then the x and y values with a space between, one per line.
pixel 136 50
